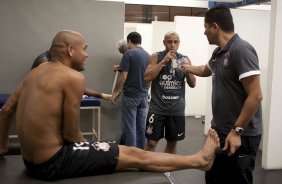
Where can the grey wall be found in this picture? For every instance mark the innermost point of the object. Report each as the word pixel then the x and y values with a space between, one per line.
pixel 28 26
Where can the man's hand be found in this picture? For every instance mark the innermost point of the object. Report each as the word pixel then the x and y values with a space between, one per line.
pixel 115 68
pixel 115 97
pixel 184 63
pixel 232 142
pixel 169 56
pixel 105 96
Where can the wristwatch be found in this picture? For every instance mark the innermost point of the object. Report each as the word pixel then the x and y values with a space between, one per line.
pixel 238 130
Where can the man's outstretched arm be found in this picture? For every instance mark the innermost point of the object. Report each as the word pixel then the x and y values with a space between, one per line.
pixel 118 87
pixel 6 115
pixel 93 92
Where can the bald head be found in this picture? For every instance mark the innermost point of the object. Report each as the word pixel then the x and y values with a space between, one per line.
pixel 65 38
pixel 69 47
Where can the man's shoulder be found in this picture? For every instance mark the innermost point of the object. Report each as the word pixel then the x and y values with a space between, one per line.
pixel 160 53
pixel 71 73
pixel 68 79
pixel 240 44
pixel 63 72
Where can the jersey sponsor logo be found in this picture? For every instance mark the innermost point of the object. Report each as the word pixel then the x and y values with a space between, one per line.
pixel 166 77
pixel 166 82
pixel 170 97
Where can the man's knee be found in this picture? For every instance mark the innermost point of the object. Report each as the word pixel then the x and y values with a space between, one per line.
pixel 151 145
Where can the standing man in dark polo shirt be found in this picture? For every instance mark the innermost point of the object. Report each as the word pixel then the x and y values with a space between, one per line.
pixel 236 98
pixel 131 83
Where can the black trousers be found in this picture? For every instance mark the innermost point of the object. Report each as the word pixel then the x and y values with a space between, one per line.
pixel 238 168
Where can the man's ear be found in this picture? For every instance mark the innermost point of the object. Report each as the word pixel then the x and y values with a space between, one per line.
pixel 70 50
pixel 164 42
pixel 215 26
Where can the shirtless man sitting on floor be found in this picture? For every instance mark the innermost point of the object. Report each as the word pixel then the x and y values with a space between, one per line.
pixel 47 106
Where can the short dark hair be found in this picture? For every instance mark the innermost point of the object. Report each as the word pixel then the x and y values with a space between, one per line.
pixel 134 37
pixel 221 15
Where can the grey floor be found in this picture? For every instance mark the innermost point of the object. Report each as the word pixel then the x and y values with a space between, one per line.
pixel 12 169
pixel 193 141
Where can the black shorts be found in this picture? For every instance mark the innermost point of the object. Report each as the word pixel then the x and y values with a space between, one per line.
pixel 160 126
pixel 77 159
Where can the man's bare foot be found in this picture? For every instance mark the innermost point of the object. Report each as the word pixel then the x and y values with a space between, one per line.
pixel 207 153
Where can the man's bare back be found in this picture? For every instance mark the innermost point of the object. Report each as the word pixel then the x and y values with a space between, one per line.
pixel 48 102
pixel 39 111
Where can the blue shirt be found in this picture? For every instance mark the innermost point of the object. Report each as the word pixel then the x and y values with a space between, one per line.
pixel 135 61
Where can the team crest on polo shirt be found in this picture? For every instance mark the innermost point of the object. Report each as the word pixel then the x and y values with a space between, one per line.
pixel 101 146
pixel 226 60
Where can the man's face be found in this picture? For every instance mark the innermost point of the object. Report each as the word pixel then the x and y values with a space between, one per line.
pixel 79 55
pixel 171 42
pixel 210 33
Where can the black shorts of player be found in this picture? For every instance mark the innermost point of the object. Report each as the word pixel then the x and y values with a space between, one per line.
pixel 159 126
pixel 77 159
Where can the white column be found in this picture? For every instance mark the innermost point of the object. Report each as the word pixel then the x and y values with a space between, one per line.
pixel 272 149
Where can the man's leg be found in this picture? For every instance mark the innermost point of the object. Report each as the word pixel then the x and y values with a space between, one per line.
pixel 141 123
pixel 130 157
pixel 154 130
pixel 170 147
pixel 151 145
pixel 237 168
pixel 174 131
pixel 128 121
pixel 242 167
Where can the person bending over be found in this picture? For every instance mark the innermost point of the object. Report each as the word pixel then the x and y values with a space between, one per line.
pixel 51 143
